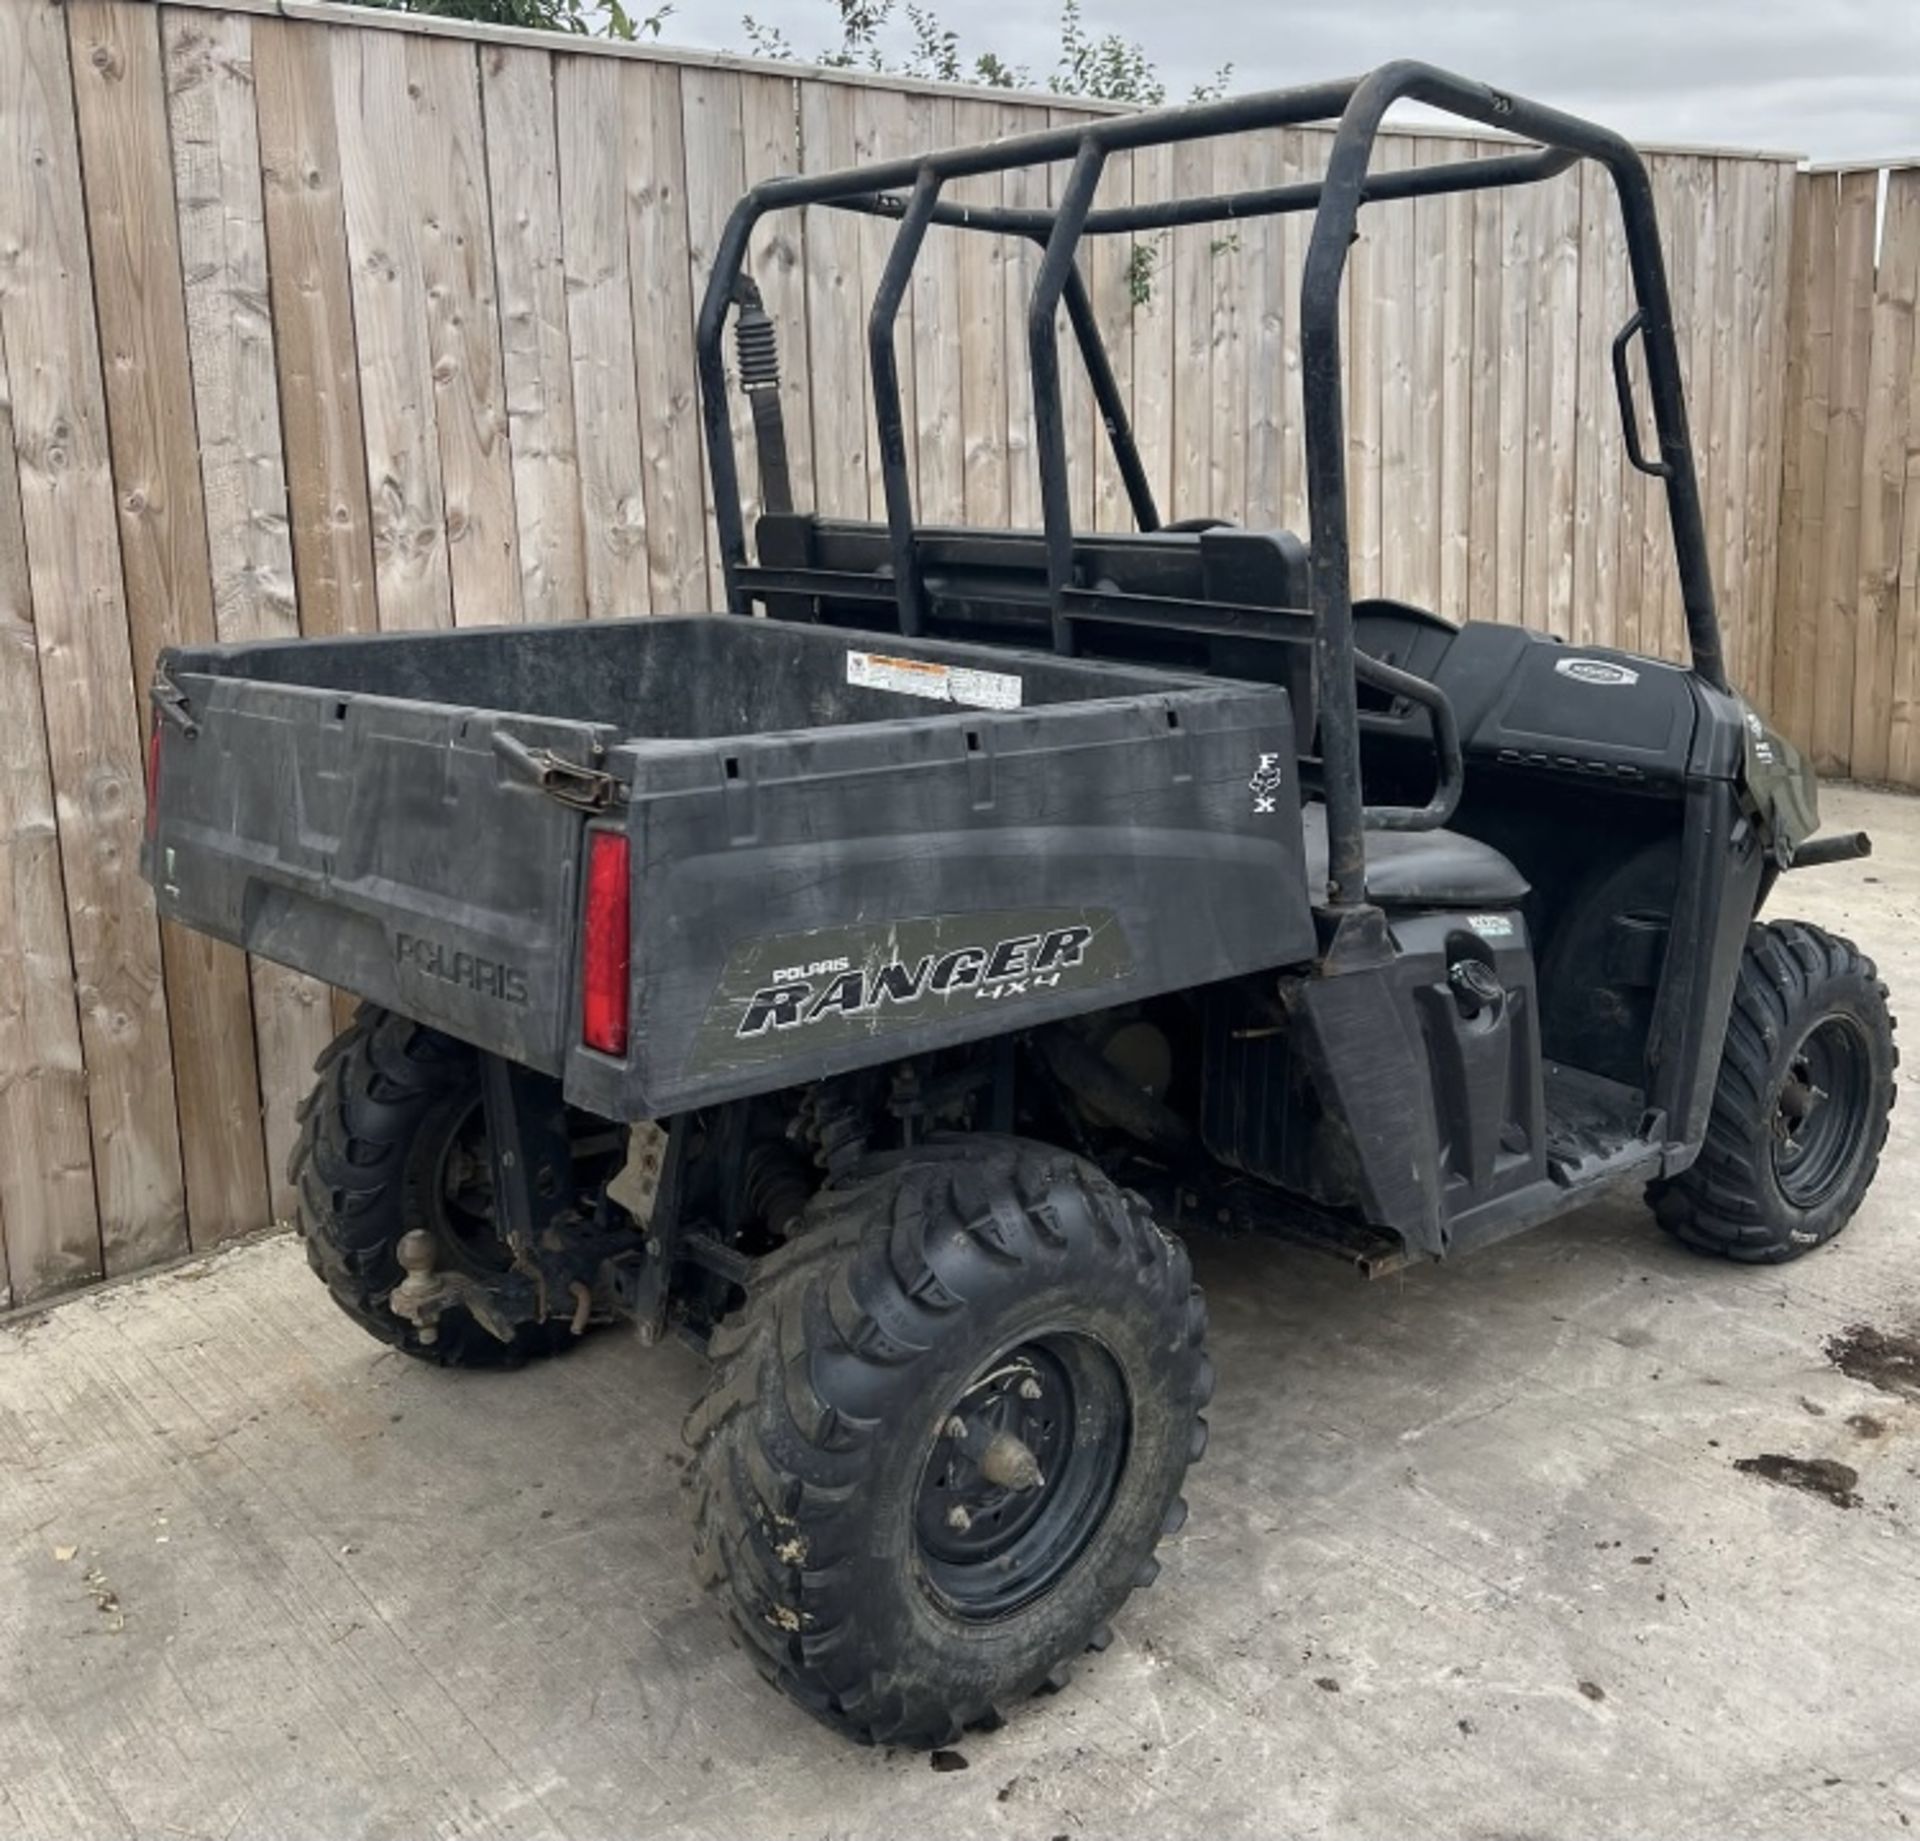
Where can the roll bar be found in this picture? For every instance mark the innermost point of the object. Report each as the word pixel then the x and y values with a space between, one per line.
pixel 910 190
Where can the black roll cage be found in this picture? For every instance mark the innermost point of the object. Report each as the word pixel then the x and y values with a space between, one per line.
pixel 1357 106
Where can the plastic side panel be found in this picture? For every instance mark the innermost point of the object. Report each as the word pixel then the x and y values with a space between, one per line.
pixel 1592 710
pixel 379 845
pixel 1368 1139
pixel 813 904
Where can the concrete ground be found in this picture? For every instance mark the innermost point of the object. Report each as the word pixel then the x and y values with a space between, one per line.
pixel 1471 1554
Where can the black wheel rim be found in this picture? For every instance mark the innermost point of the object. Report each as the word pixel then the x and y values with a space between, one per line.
pixel 987 1548
pixel 461 1192
pixel 1820 1111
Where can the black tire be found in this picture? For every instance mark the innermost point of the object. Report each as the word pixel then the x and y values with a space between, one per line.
pixel 918 1285
pixel 1800 1112
pixel 391 1097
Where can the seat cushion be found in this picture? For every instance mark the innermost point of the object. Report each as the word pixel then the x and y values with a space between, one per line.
pixel 1421 869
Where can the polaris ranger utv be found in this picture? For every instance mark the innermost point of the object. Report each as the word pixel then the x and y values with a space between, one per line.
pixel 874 984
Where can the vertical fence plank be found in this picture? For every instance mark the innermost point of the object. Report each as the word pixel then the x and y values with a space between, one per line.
pixel 1760 455
pixel 311 289
pixel 1262 257
pixel 771 131
pixel 1889 416
pixel 1518 209
pixel 716 159
pixel 1076 392
pixel 453 232
pixel 86 668
pixel 1150 278
pixel 1453 462
pixel 1486 431
pixel 983 353
pixel 1552 384
pixel 836 345
pixel 412 584
pixel 1616 483
pixel 1108 281
pixel 1589 623
pixel 936 356
pixel 1229 251
pixel 883 130
pixel 1740 305
pixel 1597 615
pixel 1025 188
pixel 1430 300
pixel 1396 329
pixel 1773 378
pixel 1659 584
pixel 121 107
pixel 615 535
pixel 1695 270
pixel 1718 281
pixel 1846 422
pixel 121 104
pixel 1903 746
pixel 1626 484
pixel 1315 148
pixel 223 251
pixel 536 356
pixel 1619 481
pixel 1191 278
pixel 655 162
pixel 1363 358
pixel 216 166
pixel 47 1216
pixel 1803 472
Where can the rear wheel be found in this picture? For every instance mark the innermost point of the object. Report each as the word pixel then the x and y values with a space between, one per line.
pixel 1800 1112
pixel 946 1434
pixel 393 1137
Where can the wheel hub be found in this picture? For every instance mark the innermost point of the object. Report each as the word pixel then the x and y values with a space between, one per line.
pixel 1819 1112
pixel 1020 1474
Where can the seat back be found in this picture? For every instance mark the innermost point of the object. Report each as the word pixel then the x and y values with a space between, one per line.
pixel 1228 602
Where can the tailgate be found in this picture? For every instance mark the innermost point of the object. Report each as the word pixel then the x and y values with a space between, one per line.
pixel 388 846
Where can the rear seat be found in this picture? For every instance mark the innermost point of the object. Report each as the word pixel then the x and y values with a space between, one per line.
pixel 1421 869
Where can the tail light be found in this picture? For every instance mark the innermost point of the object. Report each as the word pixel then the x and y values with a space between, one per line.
pixel 153 780
pixel 606 937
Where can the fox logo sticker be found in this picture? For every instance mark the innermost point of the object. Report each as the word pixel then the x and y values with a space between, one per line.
pixel 1268 779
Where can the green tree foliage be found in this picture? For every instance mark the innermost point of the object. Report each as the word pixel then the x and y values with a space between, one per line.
pixel 583 18
pixel 1103 65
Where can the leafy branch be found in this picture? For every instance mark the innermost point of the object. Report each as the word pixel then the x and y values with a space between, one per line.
pixel 1104 66
pixel 581 18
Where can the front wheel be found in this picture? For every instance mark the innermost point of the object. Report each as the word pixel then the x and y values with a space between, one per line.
pixel 1800 1112
pixel 946 1434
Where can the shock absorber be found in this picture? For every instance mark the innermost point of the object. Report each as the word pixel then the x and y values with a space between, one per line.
pixel 757 351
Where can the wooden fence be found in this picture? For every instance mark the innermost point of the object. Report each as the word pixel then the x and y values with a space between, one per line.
pixel 1847 637
pixel 318 321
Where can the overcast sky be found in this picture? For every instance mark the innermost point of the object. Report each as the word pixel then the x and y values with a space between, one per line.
pixel 1833 79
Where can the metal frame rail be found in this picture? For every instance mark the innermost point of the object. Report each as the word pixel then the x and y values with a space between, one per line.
pixel 910 190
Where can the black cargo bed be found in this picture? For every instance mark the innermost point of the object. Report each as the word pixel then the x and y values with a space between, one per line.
pixel 406 815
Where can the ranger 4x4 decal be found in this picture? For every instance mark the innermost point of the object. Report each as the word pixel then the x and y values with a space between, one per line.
pixel 841 984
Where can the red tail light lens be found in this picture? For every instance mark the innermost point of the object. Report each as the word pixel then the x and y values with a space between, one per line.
pixel 153 780
pixel 606 944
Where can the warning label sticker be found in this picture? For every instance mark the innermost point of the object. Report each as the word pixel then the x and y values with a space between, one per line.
pixel 918 677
